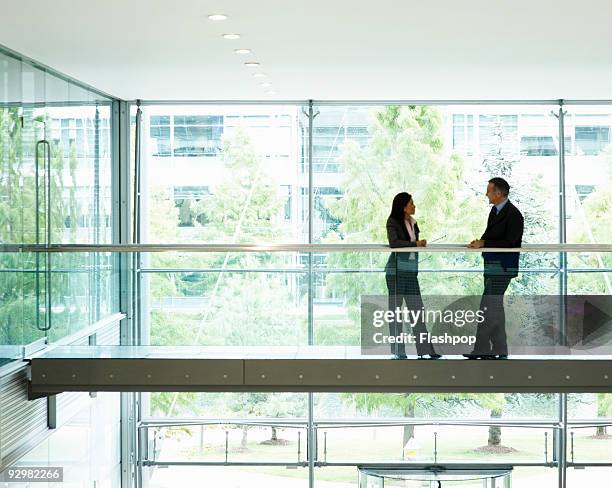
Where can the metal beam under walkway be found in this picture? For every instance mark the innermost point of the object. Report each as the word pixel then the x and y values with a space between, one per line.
pixel 307 369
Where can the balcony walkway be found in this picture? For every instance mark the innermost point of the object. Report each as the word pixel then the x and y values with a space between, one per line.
pixel 307 369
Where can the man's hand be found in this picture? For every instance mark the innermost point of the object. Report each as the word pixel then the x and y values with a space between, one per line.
pixel 421 243
pixel 476 243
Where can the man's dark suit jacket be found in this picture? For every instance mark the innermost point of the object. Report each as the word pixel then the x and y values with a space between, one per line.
pixel 503 230
pixel 398 236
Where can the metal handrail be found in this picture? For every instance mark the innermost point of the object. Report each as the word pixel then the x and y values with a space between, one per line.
pixel 439 248
pixel 356 423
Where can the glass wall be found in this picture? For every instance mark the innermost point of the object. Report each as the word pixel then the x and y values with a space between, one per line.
pixel 55 188
pixel 246 179
pixel 223 174
pixel 588 193
pixel 248 174
pixel 56 174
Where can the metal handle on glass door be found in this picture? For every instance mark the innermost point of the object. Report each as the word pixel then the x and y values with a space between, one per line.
pixel 48 236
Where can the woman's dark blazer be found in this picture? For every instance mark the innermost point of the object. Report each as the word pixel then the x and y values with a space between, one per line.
pixel 398 236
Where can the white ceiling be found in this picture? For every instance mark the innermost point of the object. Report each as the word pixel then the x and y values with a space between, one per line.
pixel 323 49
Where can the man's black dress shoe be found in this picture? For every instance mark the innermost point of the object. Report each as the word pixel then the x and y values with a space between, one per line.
pixel 399 356
pixel 475 355
pixel 502 356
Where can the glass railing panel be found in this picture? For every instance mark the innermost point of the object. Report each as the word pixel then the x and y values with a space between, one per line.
pixel 423 443
pixel 271 441
pixel 51 296
pixel 308 296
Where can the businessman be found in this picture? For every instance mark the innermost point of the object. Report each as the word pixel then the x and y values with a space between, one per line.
pixel 504 229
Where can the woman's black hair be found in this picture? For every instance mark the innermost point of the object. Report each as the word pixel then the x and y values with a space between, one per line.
pixel 399 203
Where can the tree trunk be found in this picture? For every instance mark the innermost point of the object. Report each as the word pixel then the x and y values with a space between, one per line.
pixel 495 430
pixel 408 429
pixel 274 436
pixel 601 412
pixel 243 441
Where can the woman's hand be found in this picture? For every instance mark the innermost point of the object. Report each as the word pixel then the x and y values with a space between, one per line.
pixel 421 243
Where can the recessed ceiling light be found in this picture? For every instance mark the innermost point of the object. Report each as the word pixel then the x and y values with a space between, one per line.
pixel 266 84
pixel 242 51
pixel 231 37
pixel 251 64
pixel 259 75
pixel 217 17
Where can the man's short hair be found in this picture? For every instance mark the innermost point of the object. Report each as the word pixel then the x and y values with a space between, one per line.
pixel 500 185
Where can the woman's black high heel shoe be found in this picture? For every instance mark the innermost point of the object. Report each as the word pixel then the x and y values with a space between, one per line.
pixel 431 356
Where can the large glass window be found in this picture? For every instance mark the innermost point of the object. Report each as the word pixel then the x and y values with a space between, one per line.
pixel 197 135
pixel 55 188
pixel 588 196
pixel 56 178
pixel 588 174
pixel 443 156
pixel 463 133
pixel 255 189
pixel 236 186
pixel 591 140
pixel 160 135
pixel 243 191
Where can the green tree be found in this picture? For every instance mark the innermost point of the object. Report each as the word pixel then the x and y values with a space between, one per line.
pixel 245 206
pixel 494 402
pixel 592 223
pixel 528 192
pixel 405 153
pixel 281 405
pixel 407 405
pixel 240 308
pixel 246 404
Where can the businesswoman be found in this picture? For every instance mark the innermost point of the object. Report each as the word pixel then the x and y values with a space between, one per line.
pixel 401 274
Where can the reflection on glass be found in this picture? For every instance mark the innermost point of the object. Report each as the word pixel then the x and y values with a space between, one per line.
pixel 589 193
pixel 55 188
pixel 443 156
pixel 222 174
